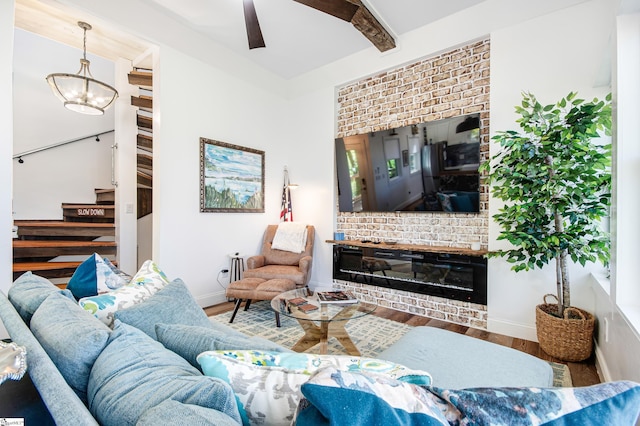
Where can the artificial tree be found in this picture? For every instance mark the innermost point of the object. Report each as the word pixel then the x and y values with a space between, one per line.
pixel 555 180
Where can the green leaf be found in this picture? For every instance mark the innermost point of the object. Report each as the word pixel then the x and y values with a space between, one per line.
pixel 553 168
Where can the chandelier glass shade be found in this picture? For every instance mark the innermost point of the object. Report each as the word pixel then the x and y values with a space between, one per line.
pixel 80 92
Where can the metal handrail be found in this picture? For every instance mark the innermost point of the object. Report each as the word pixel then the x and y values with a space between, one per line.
pixel 55 145
pixel 114 147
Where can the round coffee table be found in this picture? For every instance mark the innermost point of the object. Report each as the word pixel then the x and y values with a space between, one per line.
pixel 329 319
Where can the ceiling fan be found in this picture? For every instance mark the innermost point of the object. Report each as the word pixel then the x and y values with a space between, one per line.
pixel 352 11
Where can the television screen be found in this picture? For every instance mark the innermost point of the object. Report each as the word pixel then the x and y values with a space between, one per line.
pixel 430 167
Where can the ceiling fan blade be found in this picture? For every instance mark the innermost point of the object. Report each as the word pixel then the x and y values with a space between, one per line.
pixel 342 9
pixel 254 34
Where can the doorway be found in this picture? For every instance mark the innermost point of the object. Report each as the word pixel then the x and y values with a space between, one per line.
pixel 359 171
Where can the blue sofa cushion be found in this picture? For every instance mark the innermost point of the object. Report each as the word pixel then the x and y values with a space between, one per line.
pixel 462 203
pixel 478 363
pixel 190 341
pixel 72 337
pixel 29 291
pixel 171 412
pixel 173 304
pixel 135 373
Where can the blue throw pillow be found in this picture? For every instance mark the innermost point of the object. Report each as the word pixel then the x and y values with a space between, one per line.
pixel 72 337
pixel 173 304
pixel 93 276
pixel 611 403
pixel 134 373
pixel 29 291
pixel 445 201
pixel 190 341
pixel 330 393
pixel 347 398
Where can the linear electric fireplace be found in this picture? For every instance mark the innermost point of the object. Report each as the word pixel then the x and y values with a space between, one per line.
pixel 450 276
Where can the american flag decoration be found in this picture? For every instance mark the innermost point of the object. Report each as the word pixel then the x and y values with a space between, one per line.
pixel 286 212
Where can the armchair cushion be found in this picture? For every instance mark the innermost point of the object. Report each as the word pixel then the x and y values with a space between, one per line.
pixel 272 272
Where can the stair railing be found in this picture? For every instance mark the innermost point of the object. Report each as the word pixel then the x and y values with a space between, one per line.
pixel 114 147
pixel 55 145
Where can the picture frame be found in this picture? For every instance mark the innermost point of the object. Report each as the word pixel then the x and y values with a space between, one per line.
pixel 231 178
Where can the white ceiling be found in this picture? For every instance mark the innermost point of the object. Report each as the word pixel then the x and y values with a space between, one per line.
pixel 298 38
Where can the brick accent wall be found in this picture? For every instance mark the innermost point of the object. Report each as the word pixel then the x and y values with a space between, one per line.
pixel 447 85
pixel 455 311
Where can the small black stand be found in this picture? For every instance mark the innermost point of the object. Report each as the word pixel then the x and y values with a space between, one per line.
pixel 237 267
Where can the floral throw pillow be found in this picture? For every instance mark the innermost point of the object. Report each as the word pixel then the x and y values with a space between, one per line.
pixel 267 384
pixel 145 283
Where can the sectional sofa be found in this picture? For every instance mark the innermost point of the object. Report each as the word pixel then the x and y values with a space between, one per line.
pixel 162 361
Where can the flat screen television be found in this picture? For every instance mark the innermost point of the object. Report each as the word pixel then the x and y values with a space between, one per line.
pixel 427 167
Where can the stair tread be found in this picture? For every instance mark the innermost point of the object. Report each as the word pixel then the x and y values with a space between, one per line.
pixel 97 206
pixel 61 224
pixel 43 266
pixel 61 243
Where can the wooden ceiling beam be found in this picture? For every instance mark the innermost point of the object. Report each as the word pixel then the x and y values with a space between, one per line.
pixel 355 12
pixel 371 28
pixel 341 9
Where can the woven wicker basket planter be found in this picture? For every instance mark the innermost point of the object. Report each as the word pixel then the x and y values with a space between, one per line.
pixel 569 338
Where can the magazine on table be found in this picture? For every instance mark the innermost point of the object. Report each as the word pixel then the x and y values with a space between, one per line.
pixel 337 296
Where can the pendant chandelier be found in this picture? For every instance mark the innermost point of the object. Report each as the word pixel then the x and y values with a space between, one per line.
pixel 81 92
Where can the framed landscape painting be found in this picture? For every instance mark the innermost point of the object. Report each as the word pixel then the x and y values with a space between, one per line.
pixel 231 178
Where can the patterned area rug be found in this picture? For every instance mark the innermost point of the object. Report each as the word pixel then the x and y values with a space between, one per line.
pixel 561 375
pixel 371 334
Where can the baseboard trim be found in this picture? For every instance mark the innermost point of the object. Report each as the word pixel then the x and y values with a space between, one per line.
pixel 211 299
pixel 601 364
pixel 512 329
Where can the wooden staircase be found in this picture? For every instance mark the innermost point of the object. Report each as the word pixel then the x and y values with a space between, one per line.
pixel 84 230
pixel 89 228
pixel 143 78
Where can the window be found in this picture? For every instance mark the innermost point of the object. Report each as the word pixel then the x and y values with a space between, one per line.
pixel 392 155
pixel 354 174
pixel 392 168
pixel 414 154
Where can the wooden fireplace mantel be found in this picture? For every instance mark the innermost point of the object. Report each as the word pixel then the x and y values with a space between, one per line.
pixel 411 247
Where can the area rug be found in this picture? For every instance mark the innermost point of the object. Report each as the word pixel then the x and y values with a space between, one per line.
pixel 561 375
pixel 370 334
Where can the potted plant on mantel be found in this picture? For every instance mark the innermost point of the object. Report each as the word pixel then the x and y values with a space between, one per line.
pixel 555 181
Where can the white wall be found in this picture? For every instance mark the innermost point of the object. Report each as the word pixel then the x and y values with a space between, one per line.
pixel 6 148
pixel 198 100
pixel 40 120
pixel 565 56
pixel 618 306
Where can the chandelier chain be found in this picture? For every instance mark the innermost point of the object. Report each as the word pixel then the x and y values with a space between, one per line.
pixel 84 44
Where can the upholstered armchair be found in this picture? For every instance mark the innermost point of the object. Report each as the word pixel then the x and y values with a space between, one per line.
pixel 273 263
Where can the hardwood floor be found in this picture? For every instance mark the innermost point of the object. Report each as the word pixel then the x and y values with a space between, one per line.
pixel 582 373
